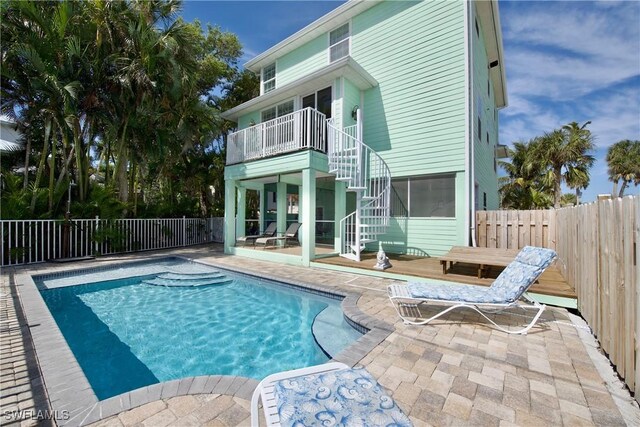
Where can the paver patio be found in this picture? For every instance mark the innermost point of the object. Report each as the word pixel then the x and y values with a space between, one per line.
pixel 456 371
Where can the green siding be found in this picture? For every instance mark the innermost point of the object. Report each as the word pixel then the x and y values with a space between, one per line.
pixel 249 120
pixel 302 61
pixel 484 106
pixel 415 118
pixel 350 99
pixel 286 163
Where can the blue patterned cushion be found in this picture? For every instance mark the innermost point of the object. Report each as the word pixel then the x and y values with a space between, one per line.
pixel 515 280
pixel 539 257
pixel 349 397
pixel 453 292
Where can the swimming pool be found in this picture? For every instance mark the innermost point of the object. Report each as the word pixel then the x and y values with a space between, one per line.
pixel 143 326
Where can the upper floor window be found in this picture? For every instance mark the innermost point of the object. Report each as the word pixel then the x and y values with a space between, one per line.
pixel 339 43
pixel 269 78
pixel 277 111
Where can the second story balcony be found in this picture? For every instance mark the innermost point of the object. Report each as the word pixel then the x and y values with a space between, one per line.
pixel 302 129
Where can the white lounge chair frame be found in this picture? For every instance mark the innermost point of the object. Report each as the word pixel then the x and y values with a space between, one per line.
pixel 403 301
pixel 266 391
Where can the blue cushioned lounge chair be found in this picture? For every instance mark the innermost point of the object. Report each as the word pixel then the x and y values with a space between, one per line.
pixel 507 290
pixel 329 394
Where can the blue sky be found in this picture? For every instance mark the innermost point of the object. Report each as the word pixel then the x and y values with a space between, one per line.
pixel 566 61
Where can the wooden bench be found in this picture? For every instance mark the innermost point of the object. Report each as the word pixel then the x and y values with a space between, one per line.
pixel 484 257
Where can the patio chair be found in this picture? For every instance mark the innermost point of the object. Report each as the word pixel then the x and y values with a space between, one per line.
pixel 506 291
pixel 290 234
pixel 270 231
pixel 329 394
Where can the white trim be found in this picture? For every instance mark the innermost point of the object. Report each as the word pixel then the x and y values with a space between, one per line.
pixel 472 142
pixel 467 130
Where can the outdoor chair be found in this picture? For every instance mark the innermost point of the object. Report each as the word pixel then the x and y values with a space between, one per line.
pixel 270 231
pixel 329 394
pixel 290 234
pixel 506 291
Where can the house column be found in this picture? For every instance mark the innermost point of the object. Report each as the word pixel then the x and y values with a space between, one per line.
pixel 241 214
pixel 229 215
pixel 281 206
pixel 308 215
pixel 340 211
pixel 263 201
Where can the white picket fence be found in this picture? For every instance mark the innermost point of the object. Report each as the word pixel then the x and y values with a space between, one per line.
pixel 31 241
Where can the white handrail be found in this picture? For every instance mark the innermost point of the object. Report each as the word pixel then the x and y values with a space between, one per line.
pixel 366 173
pixel 294 131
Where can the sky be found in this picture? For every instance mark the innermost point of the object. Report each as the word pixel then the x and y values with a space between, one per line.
pixel 565 61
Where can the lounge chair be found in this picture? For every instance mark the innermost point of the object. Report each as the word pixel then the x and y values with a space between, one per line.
pixel 329 394
pixel 270 231
pixel 290 234
pixel 506 291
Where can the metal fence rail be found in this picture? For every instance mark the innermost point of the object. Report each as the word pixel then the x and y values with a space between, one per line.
pixel 31 241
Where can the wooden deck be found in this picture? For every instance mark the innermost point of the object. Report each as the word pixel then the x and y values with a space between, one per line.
pixel 550 283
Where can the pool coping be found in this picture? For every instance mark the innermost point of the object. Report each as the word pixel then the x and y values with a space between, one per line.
pixel 71 394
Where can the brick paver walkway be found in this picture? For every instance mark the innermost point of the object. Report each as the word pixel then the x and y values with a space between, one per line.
pixel 457 371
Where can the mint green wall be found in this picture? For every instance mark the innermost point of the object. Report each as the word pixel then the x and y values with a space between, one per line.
pixel 415 118
pixel 286 163
pixel 302 61
pixel 246 120
pixel 484 107
pixel 350 99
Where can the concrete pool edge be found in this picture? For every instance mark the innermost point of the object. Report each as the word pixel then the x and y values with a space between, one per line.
pixel 69 390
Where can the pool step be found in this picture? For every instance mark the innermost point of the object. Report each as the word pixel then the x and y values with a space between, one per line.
pixel 220 280
pixel 190 276
pixel 331 332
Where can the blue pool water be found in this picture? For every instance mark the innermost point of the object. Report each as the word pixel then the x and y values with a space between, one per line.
pixel 126 333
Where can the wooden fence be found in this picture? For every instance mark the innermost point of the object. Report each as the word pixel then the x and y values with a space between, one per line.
pixel 597 255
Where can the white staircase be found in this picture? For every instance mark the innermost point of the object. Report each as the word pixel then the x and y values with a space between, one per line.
pixel 366 174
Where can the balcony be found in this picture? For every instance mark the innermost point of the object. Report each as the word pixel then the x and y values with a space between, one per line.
pixel 302 129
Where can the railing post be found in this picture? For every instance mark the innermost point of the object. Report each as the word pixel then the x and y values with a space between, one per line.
pixel 95 232
pixel 184 230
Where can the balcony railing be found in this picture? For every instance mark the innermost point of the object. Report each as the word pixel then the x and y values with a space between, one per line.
pixel 296 131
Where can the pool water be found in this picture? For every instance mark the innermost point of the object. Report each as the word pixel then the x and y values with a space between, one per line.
pixel 127 334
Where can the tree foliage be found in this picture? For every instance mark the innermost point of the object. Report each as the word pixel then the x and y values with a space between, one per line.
pixel 122 96
pixel 538 168
pixel 623 161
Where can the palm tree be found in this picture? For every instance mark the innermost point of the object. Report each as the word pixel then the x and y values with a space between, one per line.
pixel 564 156
pixel 623 160
pixel 524 187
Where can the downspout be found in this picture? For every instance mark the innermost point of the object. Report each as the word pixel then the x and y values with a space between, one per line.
pixel 469 188
pixel 472 130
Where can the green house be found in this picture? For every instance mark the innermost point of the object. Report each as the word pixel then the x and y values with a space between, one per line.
pixel 377 123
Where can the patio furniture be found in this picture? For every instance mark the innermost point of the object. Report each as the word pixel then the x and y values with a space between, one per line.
pixel 483 257
pixel 270 231
pixel 329 394
pixel 505 292
pixel 290 234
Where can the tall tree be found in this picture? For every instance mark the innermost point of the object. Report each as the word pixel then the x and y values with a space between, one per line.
pixel 564 157
pixel 623 161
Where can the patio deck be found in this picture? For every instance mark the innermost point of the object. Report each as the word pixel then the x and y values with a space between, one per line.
pixel 457 370
pixel 550 283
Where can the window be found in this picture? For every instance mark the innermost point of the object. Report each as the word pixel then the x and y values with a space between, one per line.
pixel 487 137
pixel 484 200
pixel 424 196
pixel 269 78
pixel 339 43
pixel 277 111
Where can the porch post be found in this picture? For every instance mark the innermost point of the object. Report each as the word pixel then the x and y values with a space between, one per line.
pixel 229 215
pixel 308 215
pixel 281 206
pixel 262 195
pixel 241 215
pixel 340 203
